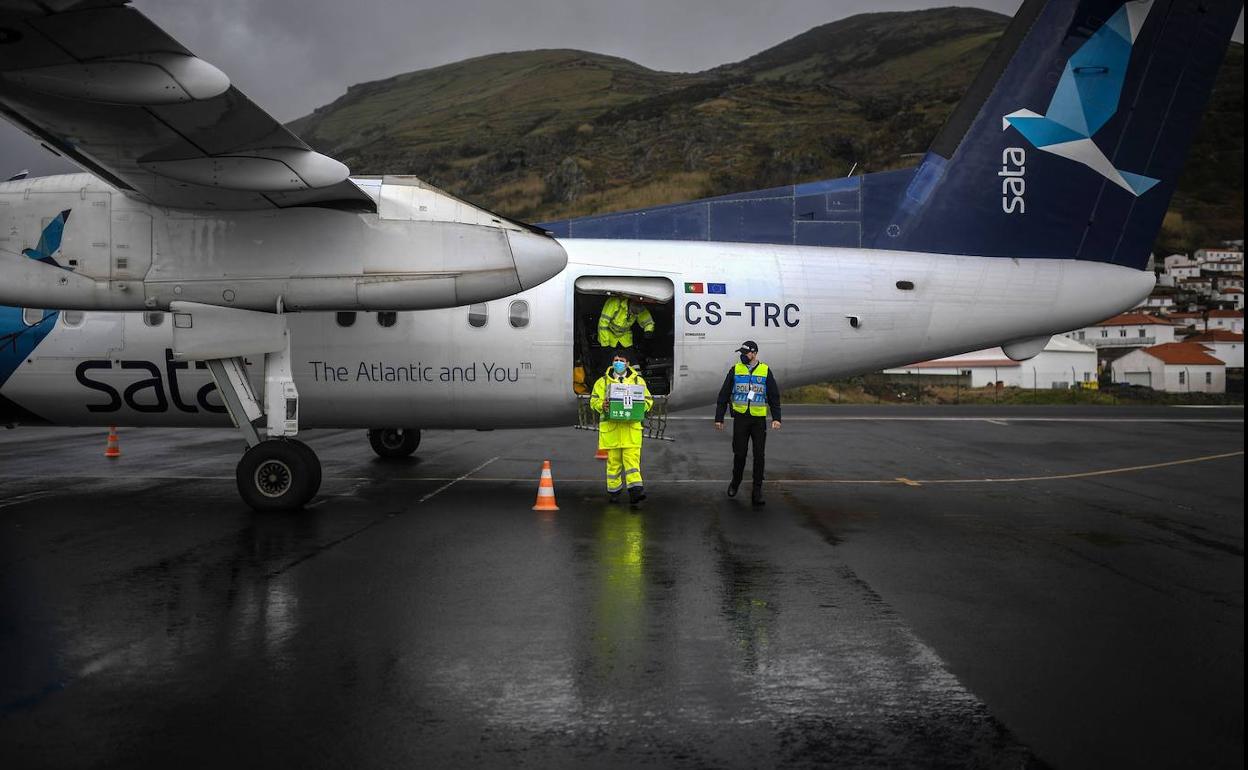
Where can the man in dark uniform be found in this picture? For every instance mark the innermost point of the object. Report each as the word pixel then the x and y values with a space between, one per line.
pixel 751 389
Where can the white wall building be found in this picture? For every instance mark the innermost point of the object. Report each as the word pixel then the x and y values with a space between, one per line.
pixel 1062 362
pixel 1202 285
pixel 1231 296
pixel 1176 367
pixel 1157 302
pixel 1230 320
pixel 1227 347
pixel 1219 255
pixel 1223 266
pixel 1128 330
pixel 1185 320
pixel 1178 272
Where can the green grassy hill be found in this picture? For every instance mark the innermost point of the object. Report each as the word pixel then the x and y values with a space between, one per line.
pixel 555 133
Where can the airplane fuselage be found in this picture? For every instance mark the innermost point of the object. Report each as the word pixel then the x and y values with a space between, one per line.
pixel 816 313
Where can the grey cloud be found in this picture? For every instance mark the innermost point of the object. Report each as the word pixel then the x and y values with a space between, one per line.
pixel 291 56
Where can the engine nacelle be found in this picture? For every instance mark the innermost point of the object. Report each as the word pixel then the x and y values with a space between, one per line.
pixel 74 243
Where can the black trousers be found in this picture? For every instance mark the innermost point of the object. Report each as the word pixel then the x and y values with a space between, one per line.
pixel 746 429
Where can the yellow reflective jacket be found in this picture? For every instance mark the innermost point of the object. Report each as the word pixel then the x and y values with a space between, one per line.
pixel 618 434
pixel 615 325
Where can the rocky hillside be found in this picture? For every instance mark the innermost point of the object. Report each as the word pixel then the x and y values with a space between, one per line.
pixel 547 134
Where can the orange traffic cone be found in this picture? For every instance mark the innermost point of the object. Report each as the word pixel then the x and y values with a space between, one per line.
pixel 113 449
pixel 546 491
pixel 601 454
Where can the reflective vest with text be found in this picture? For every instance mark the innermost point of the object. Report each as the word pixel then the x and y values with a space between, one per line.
pixel 749 389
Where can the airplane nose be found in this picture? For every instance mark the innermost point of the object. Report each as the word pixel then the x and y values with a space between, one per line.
pixel 538 258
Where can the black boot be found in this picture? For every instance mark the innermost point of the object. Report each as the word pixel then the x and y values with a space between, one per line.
pixel 756 497
pixel 613 497
pixel 636 495
pixel 732 487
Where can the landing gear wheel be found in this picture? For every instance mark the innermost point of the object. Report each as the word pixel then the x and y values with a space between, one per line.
pixel 394 442
pixel 278 475
pixel 313 461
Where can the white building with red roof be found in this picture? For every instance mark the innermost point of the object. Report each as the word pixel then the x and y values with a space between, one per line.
pixel 1220 256
pixel 1227 347
pixel 1126 330
pixel 1062 362
pixel 1230 320
pixel 1202 286
pixel 1231 295
pixel 1177 271
pixel 1175 367
pixel 1160 301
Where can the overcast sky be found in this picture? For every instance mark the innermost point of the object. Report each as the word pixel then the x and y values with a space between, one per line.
pixel 291 56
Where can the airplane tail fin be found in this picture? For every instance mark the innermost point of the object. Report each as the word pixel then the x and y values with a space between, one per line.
pixel 1071 140
pixel 1068 144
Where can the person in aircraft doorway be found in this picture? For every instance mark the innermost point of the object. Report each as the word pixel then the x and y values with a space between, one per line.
pixel 752 390
pixel 615 324
pixel 621 437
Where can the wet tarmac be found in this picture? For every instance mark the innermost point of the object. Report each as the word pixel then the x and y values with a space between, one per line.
pixel 993 587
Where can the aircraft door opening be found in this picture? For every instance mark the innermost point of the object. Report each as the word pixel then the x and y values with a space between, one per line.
pixel 655 350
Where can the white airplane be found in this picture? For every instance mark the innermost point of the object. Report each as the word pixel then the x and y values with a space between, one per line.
pixel 383 303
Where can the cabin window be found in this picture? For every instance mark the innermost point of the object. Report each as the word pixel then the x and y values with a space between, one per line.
pixel 72 318
pixel 387 318
pixel 518 314
pixel 905 285
pixel 32 316
pixel 153 318
pixel 346 318
pixel 478 315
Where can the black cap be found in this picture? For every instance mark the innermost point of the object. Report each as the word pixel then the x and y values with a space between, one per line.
pixel 749 346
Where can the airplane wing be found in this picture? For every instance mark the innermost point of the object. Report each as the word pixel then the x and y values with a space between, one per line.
pixel 97 82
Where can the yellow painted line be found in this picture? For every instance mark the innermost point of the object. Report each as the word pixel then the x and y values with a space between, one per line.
pixel 1090 474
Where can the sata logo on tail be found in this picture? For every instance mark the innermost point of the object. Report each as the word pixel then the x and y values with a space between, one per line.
pixel 1087 97
pixel 50 241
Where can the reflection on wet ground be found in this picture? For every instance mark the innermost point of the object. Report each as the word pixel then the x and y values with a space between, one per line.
pixel 153 619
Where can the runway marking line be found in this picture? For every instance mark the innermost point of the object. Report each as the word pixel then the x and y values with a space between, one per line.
pixel 456 480
pixel 26 498
pixel 451 481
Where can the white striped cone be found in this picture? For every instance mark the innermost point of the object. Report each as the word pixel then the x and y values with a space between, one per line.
pixel 546 490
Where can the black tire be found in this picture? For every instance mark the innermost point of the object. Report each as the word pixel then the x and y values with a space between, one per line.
pixel 314 462
pixel 394 442
pixel 277 475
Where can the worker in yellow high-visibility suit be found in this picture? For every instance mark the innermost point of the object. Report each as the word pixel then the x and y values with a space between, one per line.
pixel 615 325
pixel 621 438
